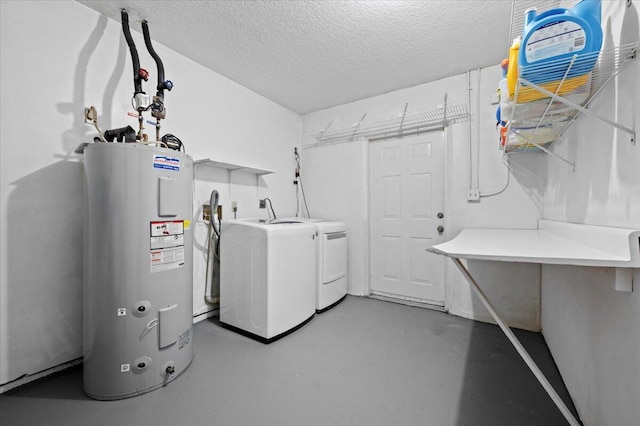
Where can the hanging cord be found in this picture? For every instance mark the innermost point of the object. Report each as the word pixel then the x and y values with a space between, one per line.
pixel 91 114
pixel 213 241
pixel 304 198
pixel 295 182
pixel 296 178
pixel 300 187
pixel 214 198
pixel 506 185
pixel 173 142
pixel 270 206
pixel 219 227
pixel 213 246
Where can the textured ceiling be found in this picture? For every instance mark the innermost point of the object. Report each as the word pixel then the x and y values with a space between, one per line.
pixel 312 55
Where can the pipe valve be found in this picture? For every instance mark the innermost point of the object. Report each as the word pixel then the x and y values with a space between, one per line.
pixel 144 74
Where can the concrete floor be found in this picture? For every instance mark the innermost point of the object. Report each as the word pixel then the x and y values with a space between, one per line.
pixel 365 362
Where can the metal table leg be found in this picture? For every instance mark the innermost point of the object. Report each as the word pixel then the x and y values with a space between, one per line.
pixel 516 343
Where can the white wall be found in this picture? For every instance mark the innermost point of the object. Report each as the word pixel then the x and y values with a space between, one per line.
pixel 336 186
pixel 57 58
pixel 593 331
pixel 338 181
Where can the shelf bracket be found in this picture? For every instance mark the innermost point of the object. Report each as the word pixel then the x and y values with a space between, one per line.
pixel 544 149
pixel 357 126
pixel 564 78
pixel 324 131
pixel 582 109
pixel 404 113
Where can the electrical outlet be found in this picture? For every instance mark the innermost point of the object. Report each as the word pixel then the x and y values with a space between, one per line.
pixel 473 195
pixel 263 204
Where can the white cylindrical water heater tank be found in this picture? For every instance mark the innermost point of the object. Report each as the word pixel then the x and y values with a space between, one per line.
pixel 138 297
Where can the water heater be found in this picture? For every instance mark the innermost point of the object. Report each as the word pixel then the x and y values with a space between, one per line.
pixel 138 268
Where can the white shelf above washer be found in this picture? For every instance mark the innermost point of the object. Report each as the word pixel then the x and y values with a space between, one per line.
pixel 231 167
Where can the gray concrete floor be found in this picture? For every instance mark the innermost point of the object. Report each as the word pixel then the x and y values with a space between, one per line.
pixel 365 362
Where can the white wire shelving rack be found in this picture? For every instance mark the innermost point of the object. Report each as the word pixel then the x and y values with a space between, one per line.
pixel 547 118
pixel 404 124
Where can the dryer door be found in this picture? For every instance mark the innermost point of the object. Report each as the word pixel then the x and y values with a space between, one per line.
pixel 335 256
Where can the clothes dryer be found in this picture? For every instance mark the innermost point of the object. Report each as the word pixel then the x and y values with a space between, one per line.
pixel 331 261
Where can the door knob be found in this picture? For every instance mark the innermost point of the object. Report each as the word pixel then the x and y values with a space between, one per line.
pixel 440 229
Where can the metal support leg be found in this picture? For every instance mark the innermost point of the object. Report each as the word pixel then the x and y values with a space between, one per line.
pixel 516 343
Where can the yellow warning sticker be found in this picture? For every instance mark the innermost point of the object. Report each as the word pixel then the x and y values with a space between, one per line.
pixel 187 225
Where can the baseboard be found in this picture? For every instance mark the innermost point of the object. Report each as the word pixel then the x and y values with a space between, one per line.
pixel 488 319
pixel 28 378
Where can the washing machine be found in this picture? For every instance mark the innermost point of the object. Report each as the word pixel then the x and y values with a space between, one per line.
pixel 331 261
pixel 267 270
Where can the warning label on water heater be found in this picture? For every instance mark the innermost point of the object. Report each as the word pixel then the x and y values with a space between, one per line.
pixel 167 245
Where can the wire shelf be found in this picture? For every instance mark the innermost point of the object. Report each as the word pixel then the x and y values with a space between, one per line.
pixel 401 125
pixel 541 112
pixel 550 96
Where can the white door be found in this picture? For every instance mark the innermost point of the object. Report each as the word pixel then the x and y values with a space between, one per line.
pixel 406 209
